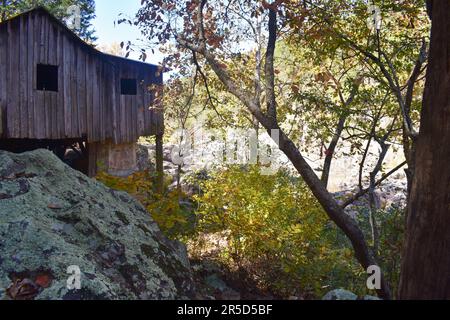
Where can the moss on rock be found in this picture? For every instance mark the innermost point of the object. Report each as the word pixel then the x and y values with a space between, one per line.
pixel 53 217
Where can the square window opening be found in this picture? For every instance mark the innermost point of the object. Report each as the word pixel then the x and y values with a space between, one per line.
pixel 47 78
pixel 128 87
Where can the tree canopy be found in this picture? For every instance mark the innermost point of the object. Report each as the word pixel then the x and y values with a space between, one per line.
pixel 348 70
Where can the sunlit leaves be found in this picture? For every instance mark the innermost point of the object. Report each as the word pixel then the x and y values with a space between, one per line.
pixel 165 209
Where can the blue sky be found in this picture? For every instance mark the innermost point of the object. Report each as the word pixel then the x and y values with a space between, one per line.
pixel 107 12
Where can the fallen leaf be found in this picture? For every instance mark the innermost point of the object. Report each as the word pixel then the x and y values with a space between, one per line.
pixel 24 289
pixel 43 280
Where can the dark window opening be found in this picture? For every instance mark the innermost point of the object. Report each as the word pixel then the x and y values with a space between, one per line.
pixel 128 87
pixel 47 78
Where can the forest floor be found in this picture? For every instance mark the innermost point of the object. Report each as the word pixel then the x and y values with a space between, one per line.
pixel 215 282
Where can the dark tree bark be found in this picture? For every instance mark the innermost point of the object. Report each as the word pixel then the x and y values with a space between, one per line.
pixel 429 7
pixel 159 164
pixel 331 149
pixel 332 208
pixel 426 262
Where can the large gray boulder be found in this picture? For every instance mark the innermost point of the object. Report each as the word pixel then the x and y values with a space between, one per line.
pixel 53 217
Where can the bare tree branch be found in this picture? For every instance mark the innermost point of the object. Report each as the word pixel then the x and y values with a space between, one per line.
pixel 361 193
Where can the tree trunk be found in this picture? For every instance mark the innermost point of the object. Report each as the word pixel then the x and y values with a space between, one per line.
pixel 159 164
pixel 269 122
pixel 426 262
pixel 334 211
pixel 331 149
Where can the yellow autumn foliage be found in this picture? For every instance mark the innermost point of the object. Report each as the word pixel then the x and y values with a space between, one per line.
pixel 164 208
pixel 276 231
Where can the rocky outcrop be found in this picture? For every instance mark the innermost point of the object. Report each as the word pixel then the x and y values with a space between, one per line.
pixel 343 178
pixel 52 218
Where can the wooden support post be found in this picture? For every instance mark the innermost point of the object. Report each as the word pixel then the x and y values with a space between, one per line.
pixel 159 164
pixel 1 121
pixel 92 159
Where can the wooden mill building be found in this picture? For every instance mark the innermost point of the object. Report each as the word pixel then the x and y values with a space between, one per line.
pixel 58 92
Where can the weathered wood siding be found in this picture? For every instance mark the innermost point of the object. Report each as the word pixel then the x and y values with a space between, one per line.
pixel 88 102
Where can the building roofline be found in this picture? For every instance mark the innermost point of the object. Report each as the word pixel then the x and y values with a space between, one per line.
pixel 76 37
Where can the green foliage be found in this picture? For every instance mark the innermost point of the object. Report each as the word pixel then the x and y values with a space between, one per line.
pixel 391 225
pixel 330 64
pixel 276 232
pixel 174 218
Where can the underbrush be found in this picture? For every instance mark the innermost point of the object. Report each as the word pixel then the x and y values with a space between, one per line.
pixel 276 233
pixel 172 210
pixel 266 231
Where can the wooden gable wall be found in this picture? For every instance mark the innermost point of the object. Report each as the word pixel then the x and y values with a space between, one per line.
pixel 88 102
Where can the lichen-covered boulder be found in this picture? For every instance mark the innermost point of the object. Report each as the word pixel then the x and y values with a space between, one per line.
pixel 53 218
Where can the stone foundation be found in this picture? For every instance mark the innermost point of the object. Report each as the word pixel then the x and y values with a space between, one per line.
pixel 114 159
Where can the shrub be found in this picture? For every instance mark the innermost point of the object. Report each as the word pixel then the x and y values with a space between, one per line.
pixel 391 226
pixel 173 218
pixel 276 231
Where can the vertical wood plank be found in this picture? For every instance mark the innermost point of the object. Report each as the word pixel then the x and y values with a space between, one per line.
pixel 23 78
pixel 37 101
pixel 102 87
pixel 4 77
pixel 81 91
pixel 51 97
pixel 13 115
pixel 96 102
pixel 89 97
pixel 44 114
pixel 31 75
pixel 40 108
pixel 66 88
pixel 73 90
pixel 115 128
pixel 60 96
